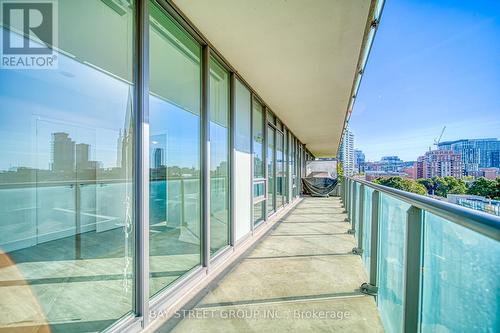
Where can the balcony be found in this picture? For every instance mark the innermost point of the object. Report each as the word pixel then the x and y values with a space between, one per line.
pixel 301 276
pixel 392 261
pixel 154 170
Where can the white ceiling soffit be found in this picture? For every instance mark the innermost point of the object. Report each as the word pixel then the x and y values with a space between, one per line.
pixel 300 56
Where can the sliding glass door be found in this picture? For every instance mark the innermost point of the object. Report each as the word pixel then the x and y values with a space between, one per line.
pixel 219 156
pixel 280 171
pixel 258 150
pixel 271 170
pixel 175 196
pixel 66 180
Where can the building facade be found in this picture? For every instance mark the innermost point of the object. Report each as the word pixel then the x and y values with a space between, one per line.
pixel 346 153
pixel 475 153
pixel 439 163
pixel 411 171
pixel 359 161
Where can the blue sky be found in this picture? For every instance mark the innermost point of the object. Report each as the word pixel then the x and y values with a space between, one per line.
pixel 433 63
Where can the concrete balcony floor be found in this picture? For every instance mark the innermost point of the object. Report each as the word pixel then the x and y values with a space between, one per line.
pixel 300 277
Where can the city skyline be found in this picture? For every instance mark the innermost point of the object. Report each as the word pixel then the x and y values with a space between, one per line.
pixel 433 147
pixel 421 79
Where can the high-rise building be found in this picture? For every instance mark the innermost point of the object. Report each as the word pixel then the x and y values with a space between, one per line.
pixel 475 153
pixel 359 160
pixel 440 163
pixel 82 154
pixel 63 152
pixel 158 157
pixel 346 153
pixel 421 167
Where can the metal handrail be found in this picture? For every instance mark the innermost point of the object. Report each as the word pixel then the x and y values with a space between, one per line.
pixel 483 223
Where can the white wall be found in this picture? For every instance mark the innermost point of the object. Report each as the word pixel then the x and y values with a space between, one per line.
pixel 242 162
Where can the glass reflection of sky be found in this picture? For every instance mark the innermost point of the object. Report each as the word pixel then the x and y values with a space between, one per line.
pixel 78 99
pixel 181 129
pixel 89 105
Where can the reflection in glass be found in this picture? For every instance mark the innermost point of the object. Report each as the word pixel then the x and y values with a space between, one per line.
pixel 219 156
pixel 174 238
pixel 293 165
pixel 392 235
pixel 286 164
pixel 258 189
pixel 271 179
pixel 356 207
pixel 280 172
pixel 258 140
pixel 367 228
pixel 242 160
pixel 258 212
pixel 460 281
pixel 66 227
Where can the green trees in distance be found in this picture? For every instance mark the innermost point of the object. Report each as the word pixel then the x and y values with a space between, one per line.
pixel 486 188
pixel 442 186
pixel 400 183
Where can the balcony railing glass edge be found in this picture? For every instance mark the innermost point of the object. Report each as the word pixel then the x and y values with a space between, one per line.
pixel 431 265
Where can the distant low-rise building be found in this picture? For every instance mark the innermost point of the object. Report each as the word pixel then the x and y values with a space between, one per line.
pixel 359 161
pixel 411 172
pixel 476 202
pixel 371 175
pixel 391 163
pixel 489 173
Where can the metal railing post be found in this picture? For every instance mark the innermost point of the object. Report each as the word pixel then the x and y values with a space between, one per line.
pixel 371 287
pixel 413 265
pixel 361 217
pixel 205 153
pixel 353 218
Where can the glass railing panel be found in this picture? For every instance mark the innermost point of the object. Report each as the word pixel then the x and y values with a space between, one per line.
pixel 460 281
pixel 356 209
pixel 392 235
pixel 367 227
pixel 192 212
pixel 56 218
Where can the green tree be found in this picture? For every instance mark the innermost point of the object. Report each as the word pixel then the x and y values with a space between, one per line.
pixel 455 186
pixel 428 183
pixel 485 188
pixel 443 186
pixel 400 183
pixel 450 185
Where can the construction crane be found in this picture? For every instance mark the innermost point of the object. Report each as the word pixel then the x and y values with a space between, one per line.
pixel 438 140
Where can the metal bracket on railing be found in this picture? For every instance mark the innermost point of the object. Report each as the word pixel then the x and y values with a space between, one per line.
pixel 369 289
pixel 357 250
pixel 351 231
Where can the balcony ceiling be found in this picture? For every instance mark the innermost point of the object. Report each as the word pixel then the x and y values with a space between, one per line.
pixel 300 57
